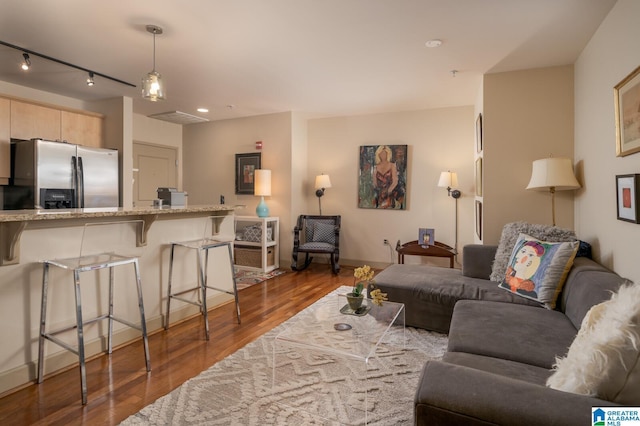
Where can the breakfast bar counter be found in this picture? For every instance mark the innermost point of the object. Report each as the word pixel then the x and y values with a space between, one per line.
pixel 14 222
pixel 28 237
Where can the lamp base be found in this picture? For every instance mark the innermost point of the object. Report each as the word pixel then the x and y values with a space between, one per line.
pixel 262 210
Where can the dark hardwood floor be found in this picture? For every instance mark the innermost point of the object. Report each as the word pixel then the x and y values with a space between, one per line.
pixel 119 386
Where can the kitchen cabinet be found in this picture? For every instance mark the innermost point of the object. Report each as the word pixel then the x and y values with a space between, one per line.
pixel 256 247
pixel 34 121
pixel 81 129
pixel 5 140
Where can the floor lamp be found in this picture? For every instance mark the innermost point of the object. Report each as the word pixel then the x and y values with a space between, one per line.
pixel 553 174
pixel 449 180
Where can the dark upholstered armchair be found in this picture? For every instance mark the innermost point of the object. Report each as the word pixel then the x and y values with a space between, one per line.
pixel 316 234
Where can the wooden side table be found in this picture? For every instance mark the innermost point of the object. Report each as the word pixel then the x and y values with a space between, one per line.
pixel 437 250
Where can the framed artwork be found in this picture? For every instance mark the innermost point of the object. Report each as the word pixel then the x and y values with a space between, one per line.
pixel 627 105
pixel 627 197
pixel 426 236
pixel 246 164
pixel 382 177
pixel 479 133
pixel 479 176
pixel 479 219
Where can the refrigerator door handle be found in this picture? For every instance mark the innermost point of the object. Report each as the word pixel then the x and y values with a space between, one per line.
pixel 74 179
pixel 80 187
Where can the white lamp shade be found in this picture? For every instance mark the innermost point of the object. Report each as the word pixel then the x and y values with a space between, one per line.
pixel 553 173
pixel 322 182
pixel 448 180
pixel 262 182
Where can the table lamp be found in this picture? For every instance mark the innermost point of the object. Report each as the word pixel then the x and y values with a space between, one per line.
pixel 262 187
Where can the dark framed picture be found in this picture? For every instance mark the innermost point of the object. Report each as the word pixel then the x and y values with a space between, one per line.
pixel 246 164
pixel 382 177
pixel 627 197
pixel 479 133
pixel 627 105
pixel 479 219
pixel 426 236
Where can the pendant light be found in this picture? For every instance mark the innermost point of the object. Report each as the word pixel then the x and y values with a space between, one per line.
pixel 152 85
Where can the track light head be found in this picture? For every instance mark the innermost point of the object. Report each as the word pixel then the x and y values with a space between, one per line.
pixel 90 81
pixel 26 63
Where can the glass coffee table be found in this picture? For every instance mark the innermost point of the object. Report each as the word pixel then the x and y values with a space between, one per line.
pixel 322 361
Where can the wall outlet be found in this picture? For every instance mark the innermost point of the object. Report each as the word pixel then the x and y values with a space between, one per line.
pixel 385 242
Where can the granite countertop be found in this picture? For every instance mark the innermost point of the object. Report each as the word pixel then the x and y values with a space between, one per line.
pixel 43 214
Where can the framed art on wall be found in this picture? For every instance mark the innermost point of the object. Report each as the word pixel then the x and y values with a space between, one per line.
pixel 627 197
pixel 479 176
pixel 246 164
pixel 479 140
pixel 627 108
pixel 382 177
pixel 479 219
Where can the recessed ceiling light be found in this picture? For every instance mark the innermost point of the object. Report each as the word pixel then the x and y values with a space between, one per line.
pixel 203 110
pixel 434 43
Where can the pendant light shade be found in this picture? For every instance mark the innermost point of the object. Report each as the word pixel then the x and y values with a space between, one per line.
pixel 152 83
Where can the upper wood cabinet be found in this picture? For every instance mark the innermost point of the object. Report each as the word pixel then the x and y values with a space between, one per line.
pixel 82 129
pixel 5 140
pixel 30 120
pixel 34 121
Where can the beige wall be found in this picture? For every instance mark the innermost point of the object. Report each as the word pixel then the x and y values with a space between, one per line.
pixel 209 151
pixel 609 57
pixel 527 115
pixel 438 139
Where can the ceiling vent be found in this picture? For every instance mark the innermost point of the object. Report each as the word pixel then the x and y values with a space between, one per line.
pixel 178 117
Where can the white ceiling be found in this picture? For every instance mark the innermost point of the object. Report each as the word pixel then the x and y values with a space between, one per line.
pixel 330 57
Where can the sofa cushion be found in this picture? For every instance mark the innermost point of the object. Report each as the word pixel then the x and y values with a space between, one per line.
pixel 515 370
pixel 450 394
pixel 527 334
pixel 510 233
pixel 537 269
pixel 430 293
pixel 587 284
pixel 604 358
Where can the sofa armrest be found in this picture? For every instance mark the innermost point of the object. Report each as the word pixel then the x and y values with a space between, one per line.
pixel 452 394
pixel 477 260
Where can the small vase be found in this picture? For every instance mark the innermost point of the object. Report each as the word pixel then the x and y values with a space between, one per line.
pixel 354 301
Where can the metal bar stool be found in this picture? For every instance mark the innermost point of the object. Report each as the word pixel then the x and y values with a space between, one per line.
pixel 202 247
pixel 104 234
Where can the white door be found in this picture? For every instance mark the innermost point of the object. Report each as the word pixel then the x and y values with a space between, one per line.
pixel 157 166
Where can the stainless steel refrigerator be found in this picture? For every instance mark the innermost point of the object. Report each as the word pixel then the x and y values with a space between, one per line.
pixel 53 175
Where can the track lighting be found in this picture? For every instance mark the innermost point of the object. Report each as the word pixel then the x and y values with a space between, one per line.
pixel 26 63
pixel 152 84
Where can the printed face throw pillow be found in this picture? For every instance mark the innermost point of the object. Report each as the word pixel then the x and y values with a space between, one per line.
pixel 537 269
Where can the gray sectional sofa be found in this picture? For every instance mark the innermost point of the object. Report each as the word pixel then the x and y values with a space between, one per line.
pixel 501 346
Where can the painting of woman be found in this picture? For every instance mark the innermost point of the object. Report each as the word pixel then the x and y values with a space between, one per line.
pixel 382 180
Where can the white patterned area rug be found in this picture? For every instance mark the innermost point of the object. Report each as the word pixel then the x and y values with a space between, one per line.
pixel 312 388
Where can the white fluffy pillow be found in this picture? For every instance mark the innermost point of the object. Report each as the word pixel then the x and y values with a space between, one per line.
pixel 604 359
